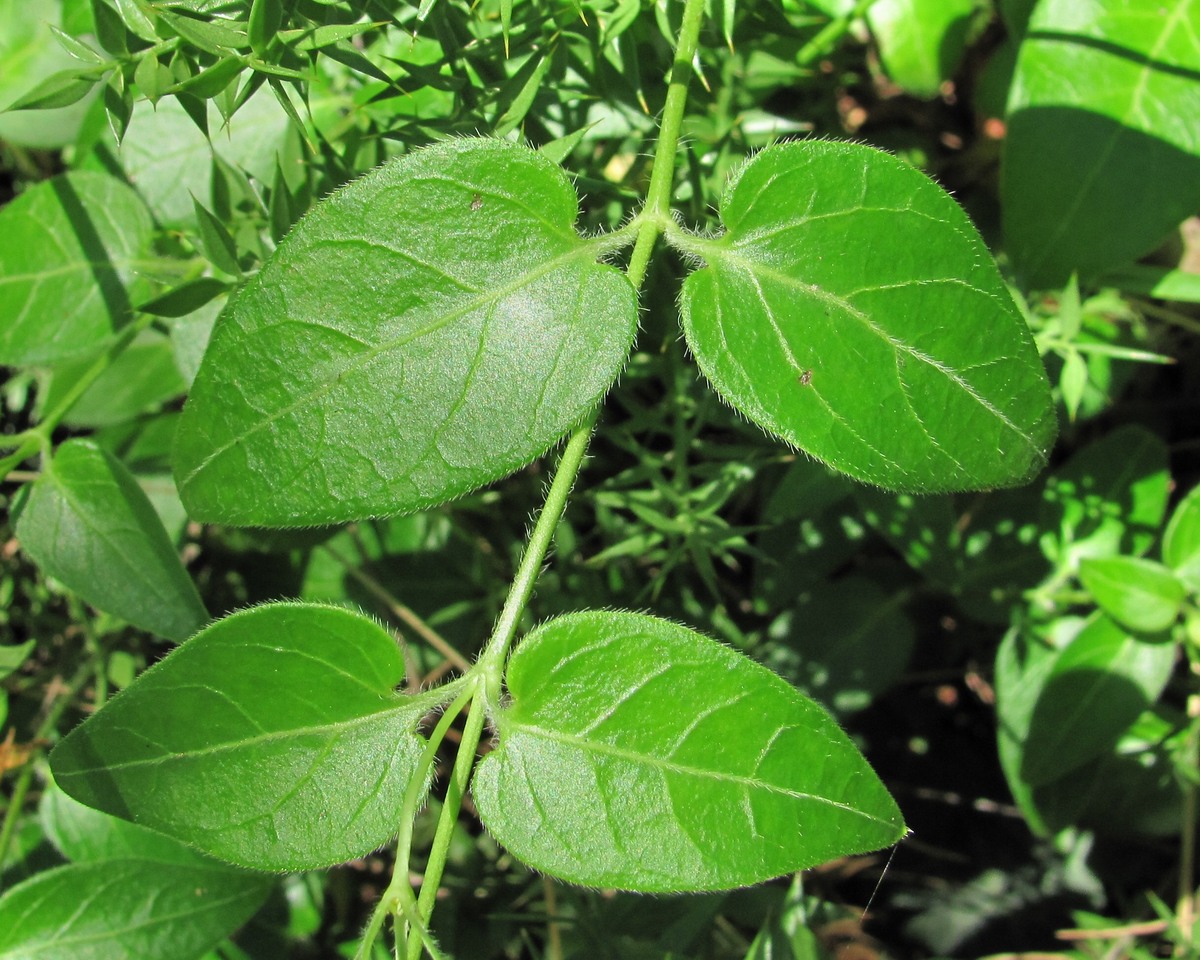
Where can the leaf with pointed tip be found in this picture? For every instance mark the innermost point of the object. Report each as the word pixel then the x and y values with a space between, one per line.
pixel 88 523
pixel 273 739
pixel 639 754
pixel 852 310
pixel 426 330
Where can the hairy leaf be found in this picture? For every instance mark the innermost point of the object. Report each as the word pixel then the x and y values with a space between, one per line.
pixel 273 739
pixel 639 754
pixel 424 331
pixel 852 310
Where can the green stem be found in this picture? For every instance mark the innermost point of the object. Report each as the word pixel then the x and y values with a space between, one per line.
pixel 650 223
pixel 831 33
pixel 398 890
pixel 457 787
pixel 656 214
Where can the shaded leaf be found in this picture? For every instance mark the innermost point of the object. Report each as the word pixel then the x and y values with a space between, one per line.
pixel 273 739
pixel 638 754
pixel 426 330
pixel 1097 686
pixel 1101 158
pixel 88 523
pixel 852 310
pixel 68 255
pixel 126 909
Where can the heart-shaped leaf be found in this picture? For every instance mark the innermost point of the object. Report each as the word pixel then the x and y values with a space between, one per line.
pixel 639 754
pixel 852 310
pixel 426 330
pixel 273 739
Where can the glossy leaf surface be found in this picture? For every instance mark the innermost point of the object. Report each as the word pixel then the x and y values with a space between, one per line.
pixel 274 739
pixel 426 330
pixel 88 523
pixel 125 909
pixel 68 258
pixel 852 310
pixel 1102 155
pixel 639 754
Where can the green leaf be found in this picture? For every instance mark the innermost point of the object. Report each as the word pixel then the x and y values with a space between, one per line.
pixel 639 754
pixel 1181 541
pixel 58 90
pixel 13 655
pixel 215 241
pixel 852 310
pixel 29 53
pixel 189 296
pixel 921 42
pixel 426 330
pixel 125 908
pixel 88 523
pixel 168 180
pixel 1097 686
pixel 68 254
pixel 844 645
pixel 1100 162
pixel 273 739
pixel 1139 594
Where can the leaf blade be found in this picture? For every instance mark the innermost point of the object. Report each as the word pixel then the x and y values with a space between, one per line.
pixel 473 330
pixel 852 310
pixel 306 772
pixel 636 755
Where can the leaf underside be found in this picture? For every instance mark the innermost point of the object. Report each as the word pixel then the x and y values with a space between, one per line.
pixel 273 739
pixel 641 755
pixel 852 310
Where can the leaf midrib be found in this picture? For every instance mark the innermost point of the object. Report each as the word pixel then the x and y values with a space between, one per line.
pixel 679 768
pixel 584 251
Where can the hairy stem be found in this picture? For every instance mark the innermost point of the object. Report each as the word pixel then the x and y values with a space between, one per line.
pixel 655 216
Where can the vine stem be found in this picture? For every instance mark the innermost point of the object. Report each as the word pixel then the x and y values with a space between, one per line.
pixel 650 223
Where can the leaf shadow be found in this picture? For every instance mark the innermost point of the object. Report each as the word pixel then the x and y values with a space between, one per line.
pixel 104 271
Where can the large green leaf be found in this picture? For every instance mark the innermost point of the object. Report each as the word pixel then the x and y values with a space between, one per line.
pixel 1181 540
pixel 273 739
pixel 88 523
pixel 68 259
pixel 125 909
pixel 426 330
pixel 641 755
pixel 852 310
pixel 1102 156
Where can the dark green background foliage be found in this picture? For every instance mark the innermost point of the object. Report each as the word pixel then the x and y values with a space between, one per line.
pixel 881 320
